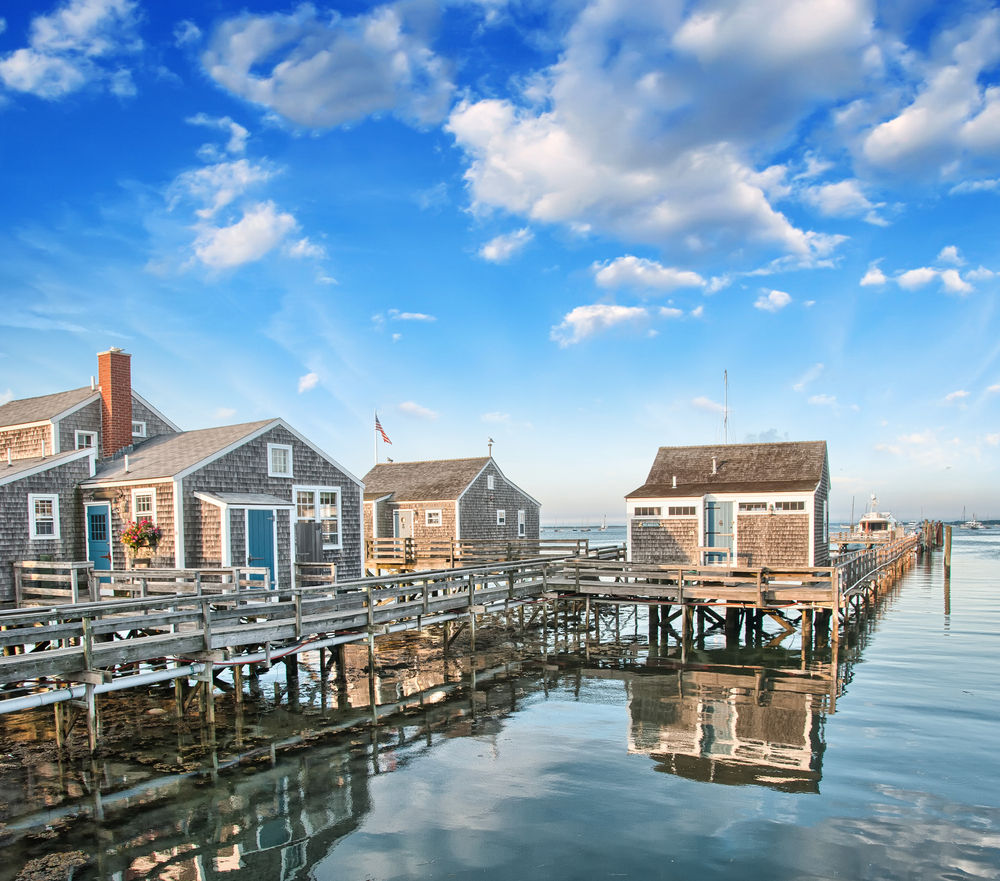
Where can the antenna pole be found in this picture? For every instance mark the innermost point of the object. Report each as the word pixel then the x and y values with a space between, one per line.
pixel 725 418
pixel 375 436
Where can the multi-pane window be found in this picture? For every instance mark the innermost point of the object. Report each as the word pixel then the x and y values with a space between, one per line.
pixel 86 440
pixel 501 518
pixel 432 518
pixel 138 429
pixel 681 511
pixel 751 507
pixel 647 512
pixel 318 505
pixel 279 460
pixel 490 482
pixel 789 506
pixel 43 511
pixel 144 504
pixel 521 524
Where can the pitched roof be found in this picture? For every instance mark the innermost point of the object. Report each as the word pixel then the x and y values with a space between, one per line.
pixel 19 468
pixel 42 408
pixel 438 480
pixel 780 467
pixel 170 454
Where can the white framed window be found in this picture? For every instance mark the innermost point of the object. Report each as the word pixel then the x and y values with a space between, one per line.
pixel 752 507
pixel 138 429
pixel 681 511
pixel 432 517
pixel 85 440
pixel 43 516
pixel 501 517
pixel 320 504
pixel 144 504
pixel 789 506
pixel 647 512
pixel 490 482
pixel 521 524
pixel 279 460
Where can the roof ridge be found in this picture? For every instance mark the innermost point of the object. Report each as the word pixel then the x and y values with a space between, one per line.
pixel 432 461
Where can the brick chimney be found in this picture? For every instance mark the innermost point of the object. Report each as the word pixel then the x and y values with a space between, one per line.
pixel 114 369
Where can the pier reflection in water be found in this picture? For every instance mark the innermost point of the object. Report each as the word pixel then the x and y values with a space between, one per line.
pixel 555 764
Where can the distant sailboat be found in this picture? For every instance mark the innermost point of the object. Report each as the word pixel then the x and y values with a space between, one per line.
pixel 604 523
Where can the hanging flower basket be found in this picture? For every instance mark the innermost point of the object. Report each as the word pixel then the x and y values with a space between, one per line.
pixel 141 538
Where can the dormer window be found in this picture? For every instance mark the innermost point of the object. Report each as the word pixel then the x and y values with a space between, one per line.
pixel 138 429
pixel 86 440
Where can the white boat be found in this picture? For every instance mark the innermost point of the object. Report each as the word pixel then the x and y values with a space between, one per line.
pixel 973 523
pixel 877 523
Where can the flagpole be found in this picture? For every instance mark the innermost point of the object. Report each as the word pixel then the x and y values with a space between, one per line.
pixel 374 432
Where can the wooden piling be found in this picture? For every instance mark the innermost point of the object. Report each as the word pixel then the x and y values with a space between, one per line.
pixel 947 551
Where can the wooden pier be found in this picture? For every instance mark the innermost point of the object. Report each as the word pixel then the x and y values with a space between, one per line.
pixel 410 554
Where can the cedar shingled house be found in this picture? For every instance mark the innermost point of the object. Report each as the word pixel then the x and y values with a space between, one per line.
pixel 78 466
pixel 757 504
pixel 447 498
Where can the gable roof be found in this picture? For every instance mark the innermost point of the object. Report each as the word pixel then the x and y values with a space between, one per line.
pixel 168 455
pixel 795 466
pixel 21 468
pixel 437 480
pixel 43 408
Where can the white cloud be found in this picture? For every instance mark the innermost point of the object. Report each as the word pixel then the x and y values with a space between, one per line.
pixel 953 283
pixel 305 248
pixel 807 377
pixel 323 70
pixel 980 274
pixel 773 301
pixel 703 403
pixel 670 312
pixel 307 382
pixel 495 417
pixel 975 186
pixel 916 278
pixel 950 254
pixel 585 321
pixel 237 134
pixel 639 272
pixel 186 33
pixel 411 408
pixel 73 46
pixel 698 311
pixel 993 439
pixel 224 413
pixel 956 396
pixel 823 400
pixel 396 315
pixel 396 337
pixel 842 199
pixel 874 276
pixel 993 389
pixel 7 395
pixel 503 247
pixel 216 186
pixel 261 229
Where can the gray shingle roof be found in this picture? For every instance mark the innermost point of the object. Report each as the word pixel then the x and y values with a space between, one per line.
pixel 240 499
pixel 42 408
pixel 441 479
pixel 170 454
pixel 21 466
pixel 782 467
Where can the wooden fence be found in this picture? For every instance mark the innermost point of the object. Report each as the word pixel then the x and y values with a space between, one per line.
pixel 409 553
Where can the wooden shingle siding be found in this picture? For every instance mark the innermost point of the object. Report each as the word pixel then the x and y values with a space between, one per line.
pixel 154 424
pixel 122 514
pixel 477 509
pixel 245 470
pixel 15 541
pixel 821 538
pixel 672 541
pixel 85 419
pixel 780 539
pixel 422 532
pixel 206 546
pixel 238 536
pixel 25 443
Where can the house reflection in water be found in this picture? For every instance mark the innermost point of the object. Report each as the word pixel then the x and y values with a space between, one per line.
pixel 732 725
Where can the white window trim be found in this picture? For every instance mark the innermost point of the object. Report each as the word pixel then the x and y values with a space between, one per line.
pixel 291 463
pixel 327 546
pixel 501 517
pixel 142 430
pixel 76 439
pixel 490 482
pixel 522 524
pixel 427 517
pixel 144 491
pixel 54 498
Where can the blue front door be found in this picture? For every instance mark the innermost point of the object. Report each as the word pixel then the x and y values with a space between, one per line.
pixel 719 530
pixel 260 540
pixel 99 537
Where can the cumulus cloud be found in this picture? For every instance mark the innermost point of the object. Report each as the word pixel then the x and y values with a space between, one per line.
pixel 874 276
pixel 410 408
pixel 843 199
pixel 629 271
pixel 670 312
pixel 324 70
pixel 307 382
pixel 305 248
pixel 993 389
pixel 237 134
pixel 773 301
pixel 585 321
pixel 950 254
pixel 503 247
pixel 703 403
pixel 916 278
pixel 186 32
pixel 980 274
pixel 823 400
pixel 261 229
pixel 80 43
pixel 396 315
pixel 216 186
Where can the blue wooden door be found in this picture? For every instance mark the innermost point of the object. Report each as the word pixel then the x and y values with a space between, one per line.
pixel 99 537
pixel 260 540
pixel 719 530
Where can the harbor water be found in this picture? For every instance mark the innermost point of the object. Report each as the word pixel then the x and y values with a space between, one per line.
pixel 563 754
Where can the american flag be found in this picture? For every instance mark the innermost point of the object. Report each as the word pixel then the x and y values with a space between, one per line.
pixel 381 431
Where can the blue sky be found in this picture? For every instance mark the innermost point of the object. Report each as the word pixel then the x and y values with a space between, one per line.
pixel 553 224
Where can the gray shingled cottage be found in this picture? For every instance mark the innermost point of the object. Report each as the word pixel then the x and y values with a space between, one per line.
pixel 254 494
pixel 447 498
pixel 749 504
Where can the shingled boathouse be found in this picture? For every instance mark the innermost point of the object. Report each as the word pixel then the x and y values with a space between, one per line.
pixel 737 504
pixel 462 499
pixel 81 465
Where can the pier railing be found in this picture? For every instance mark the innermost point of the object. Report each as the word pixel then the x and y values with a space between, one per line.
pixel 410 553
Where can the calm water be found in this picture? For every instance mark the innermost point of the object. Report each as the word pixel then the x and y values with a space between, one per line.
pixel 616 765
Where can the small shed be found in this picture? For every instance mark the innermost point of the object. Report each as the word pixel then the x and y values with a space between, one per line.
pixel 740 504
pixel 467 499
